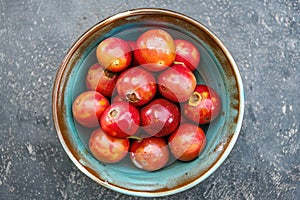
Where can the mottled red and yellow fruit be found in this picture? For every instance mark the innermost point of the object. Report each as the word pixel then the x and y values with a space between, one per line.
pixel 136 85
pixel 101 80
pixel 187 53
pixel 88 107
pixel 149 154
pixel 203 106
pixel 187 142
pixel 114 54
pixel 106 148
pixel 177 83
pixel 155 50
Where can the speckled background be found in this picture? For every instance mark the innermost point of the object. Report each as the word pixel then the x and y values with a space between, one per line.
pixel 262 35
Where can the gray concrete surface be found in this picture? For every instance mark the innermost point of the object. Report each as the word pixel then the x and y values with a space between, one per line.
pixel 263 36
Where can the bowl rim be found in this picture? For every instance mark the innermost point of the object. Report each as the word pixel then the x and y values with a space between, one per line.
pixel 143 11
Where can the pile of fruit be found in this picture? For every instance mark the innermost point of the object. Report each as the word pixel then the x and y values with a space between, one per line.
pixel 142 100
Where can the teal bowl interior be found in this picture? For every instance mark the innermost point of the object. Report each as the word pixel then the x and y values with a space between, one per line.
pixel 217 69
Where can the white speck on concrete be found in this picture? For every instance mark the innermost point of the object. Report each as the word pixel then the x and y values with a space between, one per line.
pixel 31 151
pixel 283 109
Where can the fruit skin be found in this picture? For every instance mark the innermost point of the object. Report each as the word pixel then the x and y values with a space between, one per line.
pixel 136 85
pixel 120 119
pixel 150 154
pixel 114 54
pixel 155 50
pixel 101 80
pixel 160 117
pixel 106 148
pixel 187 53
pixel 187 142
pixel 203 106
pixel 176 83
pixel 133 47
pixel 88 107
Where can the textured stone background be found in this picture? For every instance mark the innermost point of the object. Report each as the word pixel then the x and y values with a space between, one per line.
pixel 262 35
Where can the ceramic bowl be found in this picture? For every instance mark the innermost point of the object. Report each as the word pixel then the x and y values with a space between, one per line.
pixel 217 69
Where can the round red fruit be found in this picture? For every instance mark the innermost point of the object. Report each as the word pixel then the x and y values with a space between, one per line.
pixel 120 119
pixel 160 117
pixel 187 142
pixel 88 107
pixel 150 154
pixel 114 54
pixel 155 50
pixel 106 148
pixel 101 80
pixel 203 106
pixel 136 85
pixel 187 53
pixel 177 83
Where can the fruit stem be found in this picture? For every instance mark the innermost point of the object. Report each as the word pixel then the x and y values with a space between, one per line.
pixel 179 63
pixel 135 138
pixel 131 97
pixel 195 99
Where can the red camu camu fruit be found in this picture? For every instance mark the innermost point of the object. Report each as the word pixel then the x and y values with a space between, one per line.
pixel 149 154
pixel 101 80
pixel 88 107
pixel 136 85
pixel 160 117
pixel 114 54
pixel 120 119
pixel 187 142
pixel 155 50
pixel 106 148
pixel 187 53
pixel 176 83
pixel 203 106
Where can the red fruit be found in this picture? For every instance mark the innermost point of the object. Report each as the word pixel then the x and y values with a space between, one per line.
pixel 187 53
pixel 187 142
pixel 177 83
pixel 114 54
pixel 203 106
pixel 106 148
pixel 88 107
pixel 120 119
pixel 117 99
pixel 136 85
pixel 133 47
pixel 150 154
pixel 101 80
pixel 160 117
pixel 155 50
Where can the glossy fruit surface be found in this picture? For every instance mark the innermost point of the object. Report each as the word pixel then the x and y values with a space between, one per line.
pixel 203 106
pixel 101 80
pixel 114 54
pixel 150 154
pixel 88 107
pixel 106 148
pixel 160 117
pixel 177 83
pixel 187 142
pixel 187 53
pixel 120 119
pixel 155 50
pixel 136 85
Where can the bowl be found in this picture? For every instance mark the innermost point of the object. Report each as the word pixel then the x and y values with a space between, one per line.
pixel 217 69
